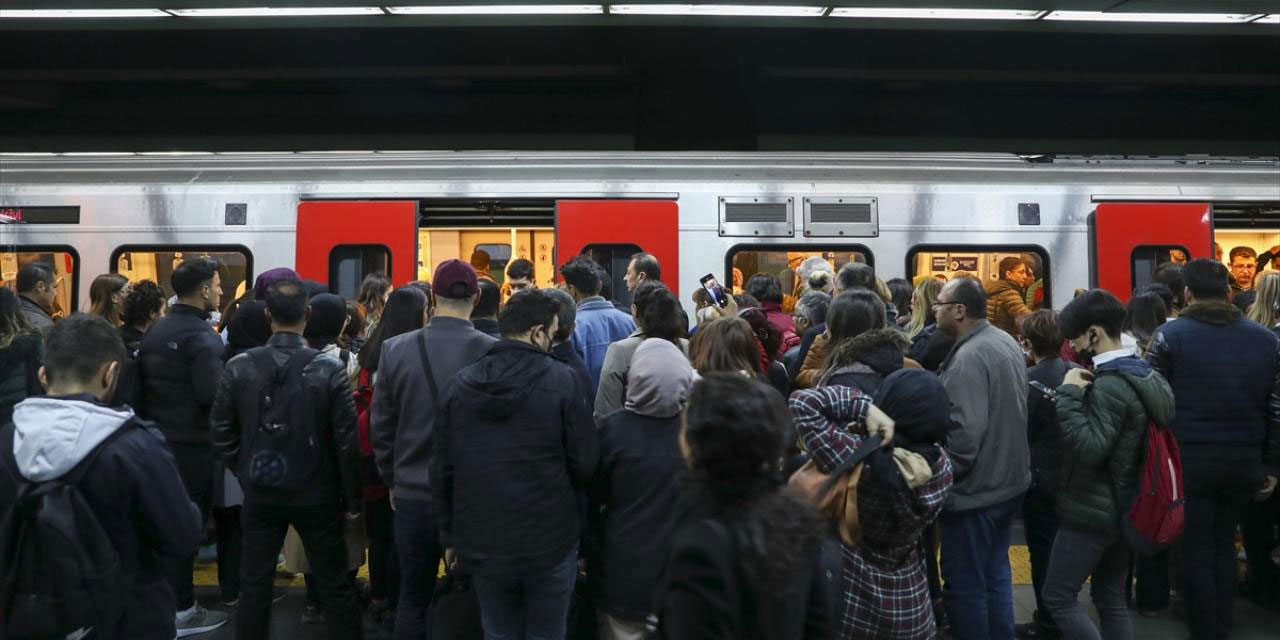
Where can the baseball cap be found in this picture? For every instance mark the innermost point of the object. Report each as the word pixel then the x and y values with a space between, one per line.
pixel 455 279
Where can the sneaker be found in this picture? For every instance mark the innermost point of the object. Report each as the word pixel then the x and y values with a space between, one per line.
pixel 231 604
pixel 312 615
pixel 198 619
pixel 278 594
pixel 1035 631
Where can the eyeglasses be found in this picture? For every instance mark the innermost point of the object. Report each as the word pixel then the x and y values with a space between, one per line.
pixel 935 305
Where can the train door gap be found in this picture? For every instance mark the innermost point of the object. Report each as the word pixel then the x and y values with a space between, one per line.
pixel 490 233
pixel 1246 238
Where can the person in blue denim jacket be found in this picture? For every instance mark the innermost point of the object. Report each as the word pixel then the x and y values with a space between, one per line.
pixel 599 324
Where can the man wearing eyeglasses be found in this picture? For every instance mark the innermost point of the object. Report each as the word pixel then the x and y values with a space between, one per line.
pixel 986 380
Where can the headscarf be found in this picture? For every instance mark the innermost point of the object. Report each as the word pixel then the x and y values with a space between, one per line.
pixel 921 412
pixel 659 380
pixel 248 328
pixel 270 277
pixel 328 312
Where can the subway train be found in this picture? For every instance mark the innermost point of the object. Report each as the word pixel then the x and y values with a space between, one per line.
pixel 336 217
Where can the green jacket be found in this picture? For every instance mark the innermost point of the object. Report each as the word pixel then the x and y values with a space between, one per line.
pixel 1103 435
pixel 1006 305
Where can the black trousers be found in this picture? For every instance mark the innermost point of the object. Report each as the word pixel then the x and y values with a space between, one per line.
pixel 384 566
pixel 1258 523
pixel 226 522
pixel 1216 491
pixel 320 527
pixel 1040 523
pixel 195 467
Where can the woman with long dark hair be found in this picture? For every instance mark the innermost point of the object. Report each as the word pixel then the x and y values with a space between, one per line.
pixel 745 560
pixel 21 354
pixel 106 295
pixel 863 349
pixel 1145 313
pixel 374 291
pixel 405 311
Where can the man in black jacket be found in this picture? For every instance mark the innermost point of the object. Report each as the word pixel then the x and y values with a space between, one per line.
pixel 316 505
pixel 1225 374
pixel 513 446
pixel 180 360
pixel 55 433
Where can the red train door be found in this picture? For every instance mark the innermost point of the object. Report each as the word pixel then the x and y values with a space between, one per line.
pixel 357 228
pixel 1132 239
pixel 649 225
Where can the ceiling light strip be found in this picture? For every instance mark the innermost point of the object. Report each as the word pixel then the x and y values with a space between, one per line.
pixel 260 12
pixel 80 14
pixel 1117 16
pixel 936 14
pixel 498 10
pixel 779 11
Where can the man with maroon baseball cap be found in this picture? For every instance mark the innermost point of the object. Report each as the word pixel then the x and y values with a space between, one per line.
pixel 401 424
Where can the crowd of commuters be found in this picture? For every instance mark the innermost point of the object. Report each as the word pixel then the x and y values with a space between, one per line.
pixel 847 462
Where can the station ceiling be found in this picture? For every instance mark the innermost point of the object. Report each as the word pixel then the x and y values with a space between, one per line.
pixel 651 82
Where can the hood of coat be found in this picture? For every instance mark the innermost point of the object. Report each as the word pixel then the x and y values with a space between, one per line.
pixel 880 349
pixel 659 379
pixel 499 384
pixel 52 435
pixel 1153 390
pixel 1215 313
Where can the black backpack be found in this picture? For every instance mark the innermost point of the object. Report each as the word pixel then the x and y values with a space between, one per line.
pixel 281 449
pixel 61 574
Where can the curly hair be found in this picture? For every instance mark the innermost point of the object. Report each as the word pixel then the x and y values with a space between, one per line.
pixel 145 298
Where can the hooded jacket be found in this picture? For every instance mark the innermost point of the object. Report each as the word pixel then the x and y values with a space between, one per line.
pixel 636 488
pixel 36 315
pixel 19 367
pixel 180 361
pixel 1225 374
pixel 133 488
pixel 864 360
pixel 1006 303
pixel 1103 429
pixel 513 444
pixel 611 393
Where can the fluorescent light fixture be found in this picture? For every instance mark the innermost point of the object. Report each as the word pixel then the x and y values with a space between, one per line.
pixel 26 154
pixel 96 154
pixel 82 13
pixel 1270 19
pixel 939 14
pixel 256 12
pixel 716 10
pixel 1119 16
pixel 175 154
pixel 499 10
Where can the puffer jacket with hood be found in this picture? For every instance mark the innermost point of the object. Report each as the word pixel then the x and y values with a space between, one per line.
pixel 636 489
pixel 1225 374
pixel 865 360
pixel 513 445
pixel 1103 428
pixel 180 361
pixel 133 488
pixel 1006 303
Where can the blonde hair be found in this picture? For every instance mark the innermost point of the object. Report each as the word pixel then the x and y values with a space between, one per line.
pixel 922 304
pixel 882 290
pixel 1264 311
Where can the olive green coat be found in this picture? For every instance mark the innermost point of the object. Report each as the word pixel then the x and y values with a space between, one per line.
pixel 1103 435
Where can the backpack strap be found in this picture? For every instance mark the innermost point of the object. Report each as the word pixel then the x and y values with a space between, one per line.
pixel 266 364
pixel 426 367
pixel 869 446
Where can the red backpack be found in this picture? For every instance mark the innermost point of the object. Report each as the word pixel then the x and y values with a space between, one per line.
pixel 1157 514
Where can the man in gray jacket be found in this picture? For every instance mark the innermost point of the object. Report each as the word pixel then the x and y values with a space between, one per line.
pixel 37 289
pixel 986 380
pixel 400 428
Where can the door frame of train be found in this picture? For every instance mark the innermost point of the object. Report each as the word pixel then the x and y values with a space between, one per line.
pixel 1116 229
pixel 652 225
pixel 325 224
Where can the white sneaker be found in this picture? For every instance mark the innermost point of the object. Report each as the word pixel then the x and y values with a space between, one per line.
pixel 198 620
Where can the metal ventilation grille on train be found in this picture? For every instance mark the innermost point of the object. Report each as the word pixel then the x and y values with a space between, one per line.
pixel 841 217
pixel 759 216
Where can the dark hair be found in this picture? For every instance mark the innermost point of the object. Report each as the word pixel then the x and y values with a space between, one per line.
pixel 191 274
pixel 746 301
pixel 1009 264
pixel 856 275
pixel 12 321
pixel 968 292
pixel 1160 289
pixel 480 260
pixel 901 290
pixel 1170 275
pixel 287 301
pixel 403 313
pixel 661 316
pixel 648 265
pixel 853 313
pixel 814 306
pixel 328 314
pixel 770 337
pixel 1040 328
pixel 584 274
pixel 372 289
pixel 1095 306
pixel 520 269
pixel 78 346
pixel 487 303
pixel 765 287
pixel 568 314
pixel 1241 251
pixel 606 283
pixel 1145 314
pixel 1207 279
pixel 525 310
pixel 32 274
pixel 101 292
pixel 144 299
pixel 355 320
pixel 726 344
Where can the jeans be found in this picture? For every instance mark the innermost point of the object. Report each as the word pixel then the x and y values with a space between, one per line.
pixel 320 527
pixel 1040 521
pixel 528 607
pixel 1216 491
pixel 418 545
pixel 1077 555
pixel 195 467
pixel 978 589
pixel 226 523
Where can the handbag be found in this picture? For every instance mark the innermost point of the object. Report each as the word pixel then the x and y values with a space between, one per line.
pixel 455 609
pixel 835 494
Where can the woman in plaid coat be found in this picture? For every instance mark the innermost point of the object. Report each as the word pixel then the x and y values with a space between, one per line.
pixel 901 491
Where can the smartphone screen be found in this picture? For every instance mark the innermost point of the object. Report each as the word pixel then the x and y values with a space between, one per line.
pixel 718 296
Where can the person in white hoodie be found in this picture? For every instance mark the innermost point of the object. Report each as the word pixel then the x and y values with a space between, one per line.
pixel 133 486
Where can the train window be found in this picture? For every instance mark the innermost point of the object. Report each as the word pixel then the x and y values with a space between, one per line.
pixel 157 262
pixel 64 261
pixel 744 261
pixel 1027 267
pixel 1247 252
pixel 1147 258
pixel 614 258
pixel 350 263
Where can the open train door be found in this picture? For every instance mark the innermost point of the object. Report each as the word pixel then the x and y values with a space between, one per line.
pixel 612 230
pixel 1132 239
pixel 339 243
